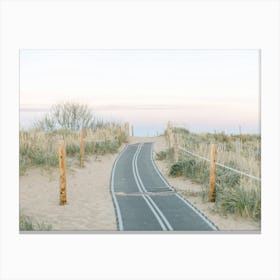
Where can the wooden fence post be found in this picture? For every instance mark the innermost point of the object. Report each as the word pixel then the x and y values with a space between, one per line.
pixel 212 186
pixel 62 173
pixel 82 148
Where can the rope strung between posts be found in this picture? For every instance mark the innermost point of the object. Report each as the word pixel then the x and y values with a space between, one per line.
pixel 195 155
pixel 238 171
pixel 220 164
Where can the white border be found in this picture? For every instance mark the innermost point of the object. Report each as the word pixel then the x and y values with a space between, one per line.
pixel 144 24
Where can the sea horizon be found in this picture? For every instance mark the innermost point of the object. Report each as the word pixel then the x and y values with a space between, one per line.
pixel 150 120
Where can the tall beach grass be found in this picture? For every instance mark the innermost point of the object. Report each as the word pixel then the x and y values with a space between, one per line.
pixel 38 146
pixel 28 223
pixel 235 193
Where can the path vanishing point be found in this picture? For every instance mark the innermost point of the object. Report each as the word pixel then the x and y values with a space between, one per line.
pixel 144 200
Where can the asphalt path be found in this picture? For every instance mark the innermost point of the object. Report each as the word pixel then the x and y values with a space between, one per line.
pixel 143 198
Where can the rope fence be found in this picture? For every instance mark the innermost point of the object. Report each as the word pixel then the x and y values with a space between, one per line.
pixel 172 141
pixel 220 164
pixel 238 171
pixel 193 154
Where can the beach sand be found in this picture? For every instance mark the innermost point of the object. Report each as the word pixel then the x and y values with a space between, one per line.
pixel 89 202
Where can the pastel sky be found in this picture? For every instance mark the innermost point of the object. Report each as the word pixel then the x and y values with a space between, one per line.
pixel 218 87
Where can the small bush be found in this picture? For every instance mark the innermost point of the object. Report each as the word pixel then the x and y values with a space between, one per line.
pixel 101 148
pixel 40 148
pixel 161 155
pixel 72 116
pixel 72 149
pixel 181 130
pixel 37 157
pixel 192 169
pixel 176 169
pixel 26 223
pixel 227 178
pixel 106 147
pixel 238 200
pixel 221 137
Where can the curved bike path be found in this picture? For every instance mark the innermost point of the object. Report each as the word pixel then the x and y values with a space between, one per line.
pixel 143 198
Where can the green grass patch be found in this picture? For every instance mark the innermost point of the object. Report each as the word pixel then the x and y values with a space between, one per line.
pixel 26 223
pixel 240 201
pixel 192 169
pixel 161 155
pixel 101 148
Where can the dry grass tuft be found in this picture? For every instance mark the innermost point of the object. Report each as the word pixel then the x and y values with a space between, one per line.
pixel 235 193
pixel 39 148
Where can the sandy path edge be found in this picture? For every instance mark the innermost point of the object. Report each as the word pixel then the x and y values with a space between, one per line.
pixel 89 201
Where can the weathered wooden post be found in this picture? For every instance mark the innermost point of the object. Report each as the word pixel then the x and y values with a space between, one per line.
pixel 212 186
pixel 82 148
pixel 62 173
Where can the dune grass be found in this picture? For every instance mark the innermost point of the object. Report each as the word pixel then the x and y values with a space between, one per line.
pixel 27 223
pixel 234 193
pixel 242 152
pixel 39 146
pixel 240 201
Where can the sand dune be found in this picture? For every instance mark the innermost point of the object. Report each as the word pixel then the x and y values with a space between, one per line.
pixel 90 205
